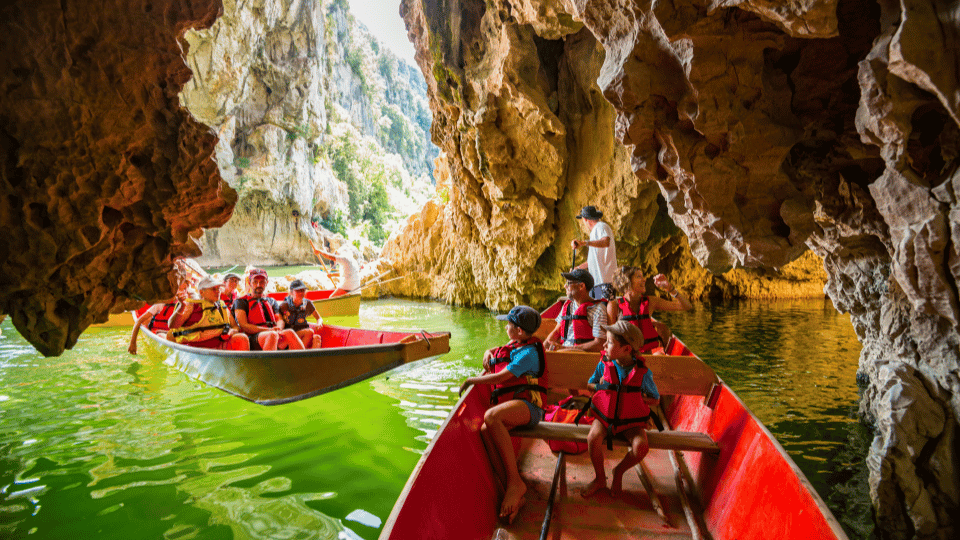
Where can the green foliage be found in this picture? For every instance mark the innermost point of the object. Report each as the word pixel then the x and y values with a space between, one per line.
pixel 377 211
pixel 241 162
pixel 443 193
pixel 335 222
pixel 241 181
pixel 300 132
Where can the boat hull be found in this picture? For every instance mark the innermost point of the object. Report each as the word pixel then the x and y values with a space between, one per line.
pixel 750 490
pixel 348 356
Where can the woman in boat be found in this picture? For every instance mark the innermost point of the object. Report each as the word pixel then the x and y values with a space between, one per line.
pixel 637 308
pixel 624 393
pixel 513 370
pixel 205 323
pixel 158 316
pixel 295 309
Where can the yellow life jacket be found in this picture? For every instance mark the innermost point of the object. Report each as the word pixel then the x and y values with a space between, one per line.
pixel 205 316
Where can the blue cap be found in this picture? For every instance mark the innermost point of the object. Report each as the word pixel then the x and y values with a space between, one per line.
pixel 523 317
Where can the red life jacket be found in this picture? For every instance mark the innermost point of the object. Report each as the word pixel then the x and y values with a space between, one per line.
pixel 228 299
pixel 523 387
pixel 578 322
pixel 259 312
pixel 619 405
pixel 642 320
pixel 160 322
pixel 569 410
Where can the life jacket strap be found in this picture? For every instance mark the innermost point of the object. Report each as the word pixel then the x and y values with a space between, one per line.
pixel 496 393
pixel 186 331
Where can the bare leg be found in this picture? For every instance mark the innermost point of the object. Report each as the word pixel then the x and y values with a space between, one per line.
pixel 238 342
pixel 495 460
pixel 268 340
pixel 595 445
pixel 306 337
pixel 499 420
pixel 638 450
pixel 289 338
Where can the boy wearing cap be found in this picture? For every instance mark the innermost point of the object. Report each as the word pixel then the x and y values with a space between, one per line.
pixel 257 316
pixel 579 325
pixel 624 393
pixel 513 370
pixel 602 253
pixel 206 322
pixel 295 309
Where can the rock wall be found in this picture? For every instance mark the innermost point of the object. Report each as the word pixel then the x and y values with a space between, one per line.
pixel 104 178
pixel 764 131
pixel 272 76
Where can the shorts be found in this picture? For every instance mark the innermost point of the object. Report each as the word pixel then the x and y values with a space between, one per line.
pixel 603 291
pixel 536 414
pixel 254 342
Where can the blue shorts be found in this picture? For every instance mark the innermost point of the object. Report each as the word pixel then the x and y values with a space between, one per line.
pixel 536 414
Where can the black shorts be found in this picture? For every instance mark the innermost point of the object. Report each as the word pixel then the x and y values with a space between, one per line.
pixel 254 341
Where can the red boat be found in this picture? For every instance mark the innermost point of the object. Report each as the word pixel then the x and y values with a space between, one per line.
pixel 714 472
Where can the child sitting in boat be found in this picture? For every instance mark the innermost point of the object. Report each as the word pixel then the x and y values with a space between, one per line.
pixel 513 370
pixel 637 308
pixel 295 309
pixel 621 404
pixel 205 323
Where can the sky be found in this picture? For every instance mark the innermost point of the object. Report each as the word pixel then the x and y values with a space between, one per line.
pixel 382 19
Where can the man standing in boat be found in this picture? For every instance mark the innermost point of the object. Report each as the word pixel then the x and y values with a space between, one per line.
pixel 349 270
pixel 581 319
pixel 258 317
pixel 206 322
pixel 601 253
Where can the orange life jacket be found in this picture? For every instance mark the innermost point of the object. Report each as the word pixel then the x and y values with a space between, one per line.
pixel 523 387
pixel 619 405
pixel 641 319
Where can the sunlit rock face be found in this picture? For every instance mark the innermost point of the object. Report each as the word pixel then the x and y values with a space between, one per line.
pixel 104 176
pixel 769 129
pixel 528 139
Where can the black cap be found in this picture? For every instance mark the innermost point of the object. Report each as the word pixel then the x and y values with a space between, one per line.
pixel 579 274
pixel 297 285
pixel 524 317
pixel 589 212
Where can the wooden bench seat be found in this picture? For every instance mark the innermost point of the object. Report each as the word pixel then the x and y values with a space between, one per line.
pixel 667 440
pixel 673 375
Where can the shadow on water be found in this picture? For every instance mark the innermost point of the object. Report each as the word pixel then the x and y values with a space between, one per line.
pixel 98 443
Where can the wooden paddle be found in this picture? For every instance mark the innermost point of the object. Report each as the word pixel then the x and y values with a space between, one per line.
pixel 316 253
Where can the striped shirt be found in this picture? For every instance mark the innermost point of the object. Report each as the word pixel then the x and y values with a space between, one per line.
pixel 596 314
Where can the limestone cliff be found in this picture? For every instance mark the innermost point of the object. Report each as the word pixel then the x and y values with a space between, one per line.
pixel 104 176
pixel 277 78
pixel 764 131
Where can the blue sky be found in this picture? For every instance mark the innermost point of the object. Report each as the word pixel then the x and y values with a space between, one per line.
pixel 382 18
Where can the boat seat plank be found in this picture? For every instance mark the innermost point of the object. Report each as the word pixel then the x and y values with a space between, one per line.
pixel 666 440
pixel 674 375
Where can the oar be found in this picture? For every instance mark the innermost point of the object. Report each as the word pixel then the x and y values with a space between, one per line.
pixel 573 260
pixel 369 283
pixel 553 495
pixel 316 253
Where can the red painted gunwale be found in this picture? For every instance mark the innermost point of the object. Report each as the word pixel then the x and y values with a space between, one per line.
pixel 751 490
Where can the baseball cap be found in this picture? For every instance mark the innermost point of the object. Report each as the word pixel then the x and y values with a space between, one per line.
pixel 628 331
pixel 580 275
pixel 258 272
pixel 297 285
pixel 524 317
pixel 209 282
pixel 231 275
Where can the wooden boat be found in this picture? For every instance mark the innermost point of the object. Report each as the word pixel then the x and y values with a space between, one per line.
pixel 347 305
pixel 348 356
pixel 720 474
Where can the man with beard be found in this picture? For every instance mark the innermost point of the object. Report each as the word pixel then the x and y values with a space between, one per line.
pixel 258 317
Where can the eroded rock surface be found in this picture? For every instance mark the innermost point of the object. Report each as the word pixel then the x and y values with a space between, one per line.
pixel 104 176
pixel 769 129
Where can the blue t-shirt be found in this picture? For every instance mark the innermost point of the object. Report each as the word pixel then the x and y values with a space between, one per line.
pixel 648 387
pixel 524 360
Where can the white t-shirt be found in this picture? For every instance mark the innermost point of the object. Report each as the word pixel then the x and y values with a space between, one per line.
pixel 349 273
pixel 602 262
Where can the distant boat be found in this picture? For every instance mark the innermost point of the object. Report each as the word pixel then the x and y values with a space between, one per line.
pixel 720 474
pixel 348 356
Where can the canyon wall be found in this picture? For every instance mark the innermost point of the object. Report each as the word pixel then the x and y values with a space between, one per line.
pixel 764 131
pixel 280 80
pixel 104 177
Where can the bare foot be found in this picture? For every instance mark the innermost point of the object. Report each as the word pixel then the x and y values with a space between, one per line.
pixel 513 499
pixel 616 485
pixel 594 487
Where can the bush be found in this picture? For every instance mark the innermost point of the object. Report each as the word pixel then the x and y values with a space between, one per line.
pixel 335 222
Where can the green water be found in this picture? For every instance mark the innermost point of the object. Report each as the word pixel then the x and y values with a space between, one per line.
pixel 101 444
